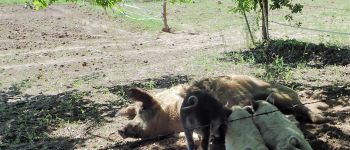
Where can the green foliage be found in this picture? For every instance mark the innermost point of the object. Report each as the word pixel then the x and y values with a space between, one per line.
pixel 106 3
pixel 40 4
pixel 151 84
pixel 248 5
pixel 244 5
pixel 277 70
pixel 13 1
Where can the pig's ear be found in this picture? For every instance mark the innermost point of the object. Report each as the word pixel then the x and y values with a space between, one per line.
pixel 143 96
pixel 130 112
pixel 255 105
pixel 249 109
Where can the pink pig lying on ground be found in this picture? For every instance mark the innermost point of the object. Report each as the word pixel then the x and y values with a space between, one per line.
pixel 159 114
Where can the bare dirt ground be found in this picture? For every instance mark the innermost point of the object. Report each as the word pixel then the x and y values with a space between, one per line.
pixel 64 71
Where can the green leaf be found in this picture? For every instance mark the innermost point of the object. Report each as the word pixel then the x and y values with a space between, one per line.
pixel 39 4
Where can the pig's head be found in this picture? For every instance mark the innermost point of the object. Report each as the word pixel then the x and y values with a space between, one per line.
pixel 146 116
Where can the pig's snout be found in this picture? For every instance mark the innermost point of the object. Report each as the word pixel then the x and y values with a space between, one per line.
pixel 131 130
pixel 122 133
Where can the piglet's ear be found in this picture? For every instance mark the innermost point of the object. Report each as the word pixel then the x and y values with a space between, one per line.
pixel 255 105
pixel 143 96
pixel 249 109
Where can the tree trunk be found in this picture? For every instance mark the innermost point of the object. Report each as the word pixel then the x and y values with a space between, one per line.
pixel 263 21
pixel 266 14
pixel 248 26
pixel 165 21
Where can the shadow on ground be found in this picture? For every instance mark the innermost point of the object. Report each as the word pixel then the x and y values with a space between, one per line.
pixel 329 135
pixel 27 120
pixel 292 52
pixel 161 142
pixel 332 95
pixel 165 81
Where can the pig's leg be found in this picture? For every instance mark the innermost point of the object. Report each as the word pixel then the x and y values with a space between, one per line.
pixel 205 138
pixel 218 142
pixel 189 139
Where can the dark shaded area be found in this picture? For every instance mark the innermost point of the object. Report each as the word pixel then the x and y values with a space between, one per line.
pixel 147 142
pixel 333 134
pixel 138 143
pixel 332 95
pixel 27 120
pixel 165 81
pixel 293 52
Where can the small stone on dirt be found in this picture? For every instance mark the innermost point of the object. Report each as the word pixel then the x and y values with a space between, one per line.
pixel 84 64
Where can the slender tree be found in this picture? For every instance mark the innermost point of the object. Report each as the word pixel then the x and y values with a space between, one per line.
pixel 249 5
pixel 166 27
pixel 243 7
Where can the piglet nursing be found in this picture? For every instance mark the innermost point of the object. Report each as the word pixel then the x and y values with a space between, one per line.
pixel 277 131
pixel 242 134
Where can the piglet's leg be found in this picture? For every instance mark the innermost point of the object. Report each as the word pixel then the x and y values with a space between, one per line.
pixel 189 139
pixel 205 138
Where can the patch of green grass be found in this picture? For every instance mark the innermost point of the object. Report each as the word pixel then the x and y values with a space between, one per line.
pixel 277 71
pixel 320 15
pixel 151 84
pixel 138 24
pixel 13 1
pixel 17 88
pixel 302 65
pixel 208 62
pixel 17 2
pixel 77 83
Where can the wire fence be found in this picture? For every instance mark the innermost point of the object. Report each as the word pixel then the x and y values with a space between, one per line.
pixel 315 6
pixel 257 115
pixel 310 29
pixel 143 14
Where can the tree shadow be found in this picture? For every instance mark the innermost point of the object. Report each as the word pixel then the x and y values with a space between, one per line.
pixel 165 81
pixel 334 96
pixel 27 120
pixel 161 142
pixel 313 138
pixel 292 52
pixel 325 130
